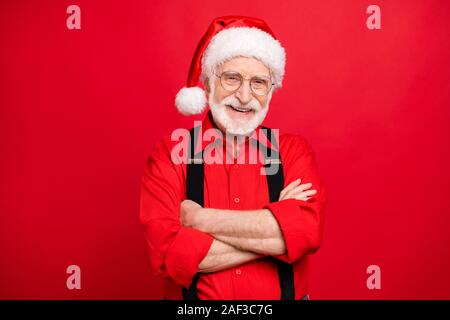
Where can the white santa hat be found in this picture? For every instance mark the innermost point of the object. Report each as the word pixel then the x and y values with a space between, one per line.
pixel 229 37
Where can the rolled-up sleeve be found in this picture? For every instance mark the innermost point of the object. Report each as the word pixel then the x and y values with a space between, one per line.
pixel 175 251
pixel 301 222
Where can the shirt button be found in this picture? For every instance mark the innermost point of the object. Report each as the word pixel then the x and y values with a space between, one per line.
pixel 238 272
pixel 235 166
pixel 237 200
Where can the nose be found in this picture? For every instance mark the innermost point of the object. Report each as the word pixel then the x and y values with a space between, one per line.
pixel 244 94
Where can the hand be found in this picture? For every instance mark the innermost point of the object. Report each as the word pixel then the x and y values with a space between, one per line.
pixel 189 212
pixel 295 190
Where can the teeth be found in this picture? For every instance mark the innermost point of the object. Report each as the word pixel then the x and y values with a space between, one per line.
pixel 240 109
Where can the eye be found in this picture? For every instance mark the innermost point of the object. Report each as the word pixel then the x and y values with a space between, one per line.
pixel 259 82
pixel 232 77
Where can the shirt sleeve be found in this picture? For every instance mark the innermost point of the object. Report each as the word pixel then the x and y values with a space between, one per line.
pixel 175 251
pixel 301 222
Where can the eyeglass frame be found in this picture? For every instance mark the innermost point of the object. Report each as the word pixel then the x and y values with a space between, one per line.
pixel 242 82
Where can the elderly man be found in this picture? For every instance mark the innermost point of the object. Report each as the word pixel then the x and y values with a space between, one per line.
pixel 233 228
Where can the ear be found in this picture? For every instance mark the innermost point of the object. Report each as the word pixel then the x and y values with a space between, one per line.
pixel 207 87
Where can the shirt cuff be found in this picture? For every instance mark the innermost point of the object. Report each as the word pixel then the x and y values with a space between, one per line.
pixel 185 254
pixel 299 225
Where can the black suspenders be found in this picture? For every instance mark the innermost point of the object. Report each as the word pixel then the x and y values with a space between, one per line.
pixel 195 174
pixel 275 183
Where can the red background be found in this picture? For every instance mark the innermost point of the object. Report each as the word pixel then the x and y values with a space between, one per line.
pixel 81 109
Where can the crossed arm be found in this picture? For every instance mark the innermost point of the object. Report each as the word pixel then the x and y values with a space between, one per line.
pixel 240 236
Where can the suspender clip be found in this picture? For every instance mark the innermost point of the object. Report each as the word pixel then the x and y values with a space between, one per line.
pixel 271 161
pixel 195 161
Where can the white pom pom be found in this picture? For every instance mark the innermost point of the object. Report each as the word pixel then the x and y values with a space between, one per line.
pixel 191 100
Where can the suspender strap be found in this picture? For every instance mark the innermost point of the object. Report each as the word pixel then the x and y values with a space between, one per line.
pixel 195 171
pixel 191 292
pixel 194 191
pixel 275 183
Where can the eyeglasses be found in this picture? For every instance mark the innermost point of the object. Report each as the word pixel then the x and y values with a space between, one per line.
pixel 232 81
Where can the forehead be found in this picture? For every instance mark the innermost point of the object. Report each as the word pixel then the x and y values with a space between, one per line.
pixel 245 66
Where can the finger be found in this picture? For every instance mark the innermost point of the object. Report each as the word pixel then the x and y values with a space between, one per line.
pixel 291 185
pixel 300 195
pixel 303 198
pixel 293 194
pixel 305 186
pixel 188 202
pixel 184 203
pixel 302 187
pixel 286 191
pixel 309 193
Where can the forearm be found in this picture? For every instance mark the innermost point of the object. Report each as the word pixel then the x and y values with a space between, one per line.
pixel 222 256
pixel 250 230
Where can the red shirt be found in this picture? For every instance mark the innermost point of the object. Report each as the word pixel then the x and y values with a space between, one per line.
pixel 176 251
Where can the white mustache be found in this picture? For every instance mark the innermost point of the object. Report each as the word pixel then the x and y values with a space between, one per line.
pixel 234 102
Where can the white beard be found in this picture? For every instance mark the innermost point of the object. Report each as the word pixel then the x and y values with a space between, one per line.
pixel 236 127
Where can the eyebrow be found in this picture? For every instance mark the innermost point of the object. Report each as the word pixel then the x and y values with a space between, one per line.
pixel 259 75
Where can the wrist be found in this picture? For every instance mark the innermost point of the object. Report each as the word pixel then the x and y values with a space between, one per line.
pixel 201 219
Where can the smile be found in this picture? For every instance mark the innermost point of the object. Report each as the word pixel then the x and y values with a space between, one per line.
pixel 239 109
